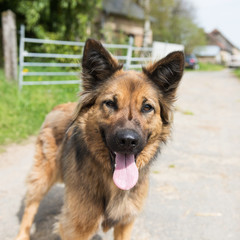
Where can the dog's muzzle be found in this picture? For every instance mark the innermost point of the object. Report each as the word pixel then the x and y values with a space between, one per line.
pixel 126 141
pixel 125 145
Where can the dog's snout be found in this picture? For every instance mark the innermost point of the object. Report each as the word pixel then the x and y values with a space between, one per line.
pixel 127 139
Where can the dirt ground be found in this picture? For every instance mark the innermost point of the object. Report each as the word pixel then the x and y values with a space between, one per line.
pixel 195 183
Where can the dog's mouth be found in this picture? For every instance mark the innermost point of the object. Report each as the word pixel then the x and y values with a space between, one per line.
pixel 125 171
pixel 124 146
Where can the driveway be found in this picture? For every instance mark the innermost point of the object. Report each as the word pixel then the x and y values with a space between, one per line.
pixel 195 183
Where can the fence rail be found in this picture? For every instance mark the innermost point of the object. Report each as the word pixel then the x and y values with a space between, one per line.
pixel 51 55
pixel 42 64
pixel 129 60
pixel 50 73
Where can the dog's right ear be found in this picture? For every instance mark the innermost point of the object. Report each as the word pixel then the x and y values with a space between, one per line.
pixel 167 73
pixel 97 64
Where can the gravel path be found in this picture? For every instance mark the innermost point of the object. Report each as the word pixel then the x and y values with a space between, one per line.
pixel 195 184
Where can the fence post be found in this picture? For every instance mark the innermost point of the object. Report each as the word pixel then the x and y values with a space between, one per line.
pixel 129 52
pixel 21 55
pixel 9 45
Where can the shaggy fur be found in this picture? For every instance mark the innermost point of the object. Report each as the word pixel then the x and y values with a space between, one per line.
pixel 119 111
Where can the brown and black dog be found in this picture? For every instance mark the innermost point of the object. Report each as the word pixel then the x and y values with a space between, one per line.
pixel 102 146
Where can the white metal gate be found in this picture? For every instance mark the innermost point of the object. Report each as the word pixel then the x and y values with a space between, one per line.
pixel 130 62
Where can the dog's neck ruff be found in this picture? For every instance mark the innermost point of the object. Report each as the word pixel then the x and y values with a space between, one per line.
pixel 125 175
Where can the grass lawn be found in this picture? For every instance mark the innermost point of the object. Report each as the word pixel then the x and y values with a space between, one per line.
pixel 237 72
pixel 210 67
pixel 22 112
pixel 207 67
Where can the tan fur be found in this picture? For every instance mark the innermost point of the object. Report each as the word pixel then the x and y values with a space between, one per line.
pixel 73 146
pixel 44 172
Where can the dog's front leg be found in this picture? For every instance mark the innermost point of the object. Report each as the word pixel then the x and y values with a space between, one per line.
pixel 80 218
pixel 123 231
pixel 76 229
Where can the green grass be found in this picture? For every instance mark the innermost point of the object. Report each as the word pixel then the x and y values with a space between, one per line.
pixel 237 72
pixel 210 67
pixel 188 112
pixel 22 112
pixel 185 112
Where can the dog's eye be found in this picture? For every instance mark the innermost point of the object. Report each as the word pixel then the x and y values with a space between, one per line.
pixel 146 108
pixel 110 104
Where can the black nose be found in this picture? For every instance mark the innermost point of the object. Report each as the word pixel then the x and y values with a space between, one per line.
pixel 127 140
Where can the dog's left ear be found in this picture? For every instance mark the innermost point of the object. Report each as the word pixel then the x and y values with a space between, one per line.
pixel 167 73
pixel 97 64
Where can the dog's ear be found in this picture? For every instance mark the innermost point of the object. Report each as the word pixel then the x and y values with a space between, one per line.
pixel 97 64
pixel 167 73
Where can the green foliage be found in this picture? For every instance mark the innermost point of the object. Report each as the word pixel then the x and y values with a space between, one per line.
pixel 22 113
pixel 54 19
pixel 237 72
pixel 175 23
pixel 61 19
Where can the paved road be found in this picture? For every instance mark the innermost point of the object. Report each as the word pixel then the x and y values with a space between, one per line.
pixel 195 184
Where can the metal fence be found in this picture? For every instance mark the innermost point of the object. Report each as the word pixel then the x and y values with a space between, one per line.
pixel 133 58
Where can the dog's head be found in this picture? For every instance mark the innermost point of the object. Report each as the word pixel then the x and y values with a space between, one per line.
pixel 125 115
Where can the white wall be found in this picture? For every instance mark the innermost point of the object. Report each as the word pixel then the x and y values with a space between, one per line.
pixel 162 49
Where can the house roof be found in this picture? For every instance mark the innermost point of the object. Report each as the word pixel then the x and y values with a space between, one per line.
pixel 126 8
pixel 206 51
pixel 217 38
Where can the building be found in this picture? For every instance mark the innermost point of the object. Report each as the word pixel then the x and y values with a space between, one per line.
pixel 218 50
pixel 208 54
pixel 124 17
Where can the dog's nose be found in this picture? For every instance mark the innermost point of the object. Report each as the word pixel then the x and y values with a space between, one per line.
pixel 127 140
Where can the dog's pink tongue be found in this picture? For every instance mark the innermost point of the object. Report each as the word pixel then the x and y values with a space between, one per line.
pixel 125 175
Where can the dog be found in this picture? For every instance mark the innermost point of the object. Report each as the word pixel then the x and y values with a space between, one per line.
pixel 102 147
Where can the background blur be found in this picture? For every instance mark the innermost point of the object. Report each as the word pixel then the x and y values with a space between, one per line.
pixel 174 21
pixel 194 191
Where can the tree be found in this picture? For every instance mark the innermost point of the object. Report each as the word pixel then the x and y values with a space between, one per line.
pixel 61 19
pixel 174 22
pixel 55 19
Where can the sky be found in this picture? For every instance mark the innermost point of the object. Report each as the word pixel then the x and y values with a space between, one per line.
pixel 223 15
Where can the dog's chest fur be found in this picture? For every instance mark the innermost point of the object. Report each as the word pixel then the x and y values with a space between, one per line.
pixel 120 207
pixel 124 206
